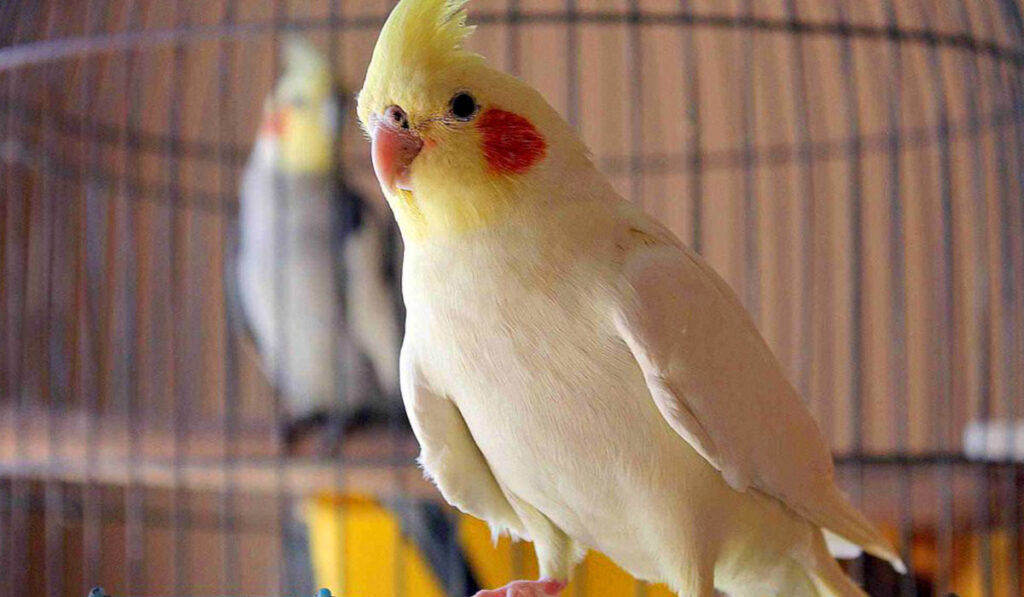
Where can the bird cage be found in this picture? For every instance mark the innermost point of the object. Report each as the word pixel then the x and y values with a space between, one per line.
pixel 855 170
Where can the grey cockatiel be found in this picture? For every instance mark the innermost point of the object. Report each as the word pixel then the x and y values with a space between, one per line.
pixel 573 373
pixel 314 272
pixel 314 280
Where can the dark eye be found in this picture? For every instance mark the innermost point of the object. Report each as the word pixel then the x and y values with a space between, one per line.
pixel 462 106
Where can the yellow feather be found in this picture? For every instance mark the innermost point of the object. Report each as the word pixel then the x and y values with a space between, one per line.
pixel 304 91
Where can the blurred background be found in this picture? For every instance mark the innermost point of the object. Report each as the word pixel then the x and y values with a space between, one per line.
pixel 854 169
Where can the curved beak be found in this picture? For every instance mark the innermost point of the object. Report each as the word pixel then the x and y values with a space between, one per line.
pixel 393 151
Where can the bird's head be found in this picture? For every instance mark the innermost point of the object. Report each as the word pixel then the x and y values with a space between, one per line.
pixel 302 113
pixel 456 143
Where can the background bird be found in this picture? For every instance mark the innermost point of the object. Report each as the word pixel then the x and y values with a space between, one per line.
pixel 573 373
pixel 316 267
pixel 315 283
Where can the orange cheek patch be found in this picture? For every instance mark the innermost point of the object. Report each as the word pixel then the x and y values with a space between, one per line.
pixel 511 144
pixel 274 123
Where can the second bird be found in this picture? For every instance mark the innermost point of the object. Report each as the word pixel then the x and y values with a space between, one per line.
pixel 315 269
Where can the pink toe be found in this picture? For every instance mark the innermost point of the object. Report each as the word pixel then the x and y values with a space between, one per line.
pixel 527 588
pixel 552 586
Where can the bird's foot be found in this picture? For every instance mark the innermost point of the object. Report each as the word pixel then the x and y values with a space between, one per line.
pixel 545 587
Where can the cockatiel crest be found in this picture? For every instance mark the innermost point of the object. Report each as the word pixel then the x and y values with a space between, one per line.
pixel 418 39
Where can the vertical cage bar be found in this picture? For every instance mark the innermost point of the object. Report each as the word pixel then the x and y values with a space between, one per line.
pixel 177 304
pixel 944 413
pixel 49 394
pixel 6 389
pixel 6 563
pixel 19 488
pixel 135 496
pixel 853 154
pixel 95 323
pixel 807 204
pixel 691 79
pixel 637 153
pixel 1006 287
pixel 898 304
pixel 572 74
pixel 513 43
pixel 751 237
pixel 974 88
pixel 1014 23
pixel 231 372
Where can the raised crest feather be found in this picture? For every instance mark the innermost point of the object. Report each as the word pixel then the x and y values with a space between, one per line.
pixel 430 29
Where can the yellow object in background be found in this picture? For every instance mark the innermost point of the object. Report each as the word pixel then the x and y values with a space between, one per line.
pixel 354 545
pixel 358 550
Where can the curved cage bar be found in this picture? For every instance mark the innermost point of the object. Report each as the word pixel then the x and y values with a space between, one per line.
pixel 854 169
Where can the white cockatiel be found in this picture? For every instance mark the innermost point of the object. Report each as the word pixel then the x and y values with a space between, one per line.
pixel 311 267
pixel 573 373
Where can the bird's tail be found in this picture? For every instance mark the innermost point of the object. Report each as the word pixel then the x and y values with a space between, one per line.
pixel 819 575
pixel 838 517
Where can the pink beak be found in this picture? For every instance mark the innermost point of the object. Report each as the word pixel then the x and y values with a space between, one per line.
pixel 393 150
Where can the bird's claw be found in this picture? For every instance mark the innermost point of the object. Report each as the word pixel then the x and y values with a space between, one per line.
pixel 545 587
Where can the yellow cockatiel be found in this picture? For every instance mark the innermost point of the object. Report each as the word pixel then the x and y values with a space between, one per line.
pixel 574 374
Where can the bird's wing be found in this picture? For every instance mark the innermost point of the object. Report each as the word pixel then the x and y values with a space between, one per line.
pixel 238 319
pixel 450 456
pixel 720 388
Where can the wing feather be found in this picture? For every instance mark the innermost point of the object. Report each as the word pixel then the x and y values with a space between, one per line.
pixel 718 385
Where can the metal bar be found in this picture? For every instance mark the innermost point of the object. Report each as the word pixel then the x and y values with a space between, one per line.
pixel 856 390
pixel 1006 286
pixel 228 528
pixel 691 78
pixel 898 306
pixel 635 58
pixel 34 53
pixel 805 336
pixel 974 90
pixel 95 324
pixel 513 18
pixel 751 239
pixel 768 155
pixel 943 411
pixel 177 311
pixel 6 562
pixel 6 388
pixel 17 350
pixel 1013 21
pixel 53 517
pixel 135 496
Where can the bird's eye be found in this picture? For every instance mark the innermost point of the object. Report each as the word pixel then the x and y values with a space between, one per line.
pixel 462 106
pixel 397 116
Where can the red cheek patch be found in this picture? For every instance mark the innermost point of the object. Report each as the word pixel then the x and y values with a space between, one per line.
pixel 511 144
